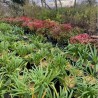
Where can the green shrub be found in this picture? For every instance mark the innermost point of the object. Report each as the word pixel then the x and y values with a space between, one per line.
pixel 5 27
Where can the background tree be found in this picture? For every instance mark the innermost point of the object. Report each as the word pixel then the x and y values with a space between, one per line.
pixel 75 1
pixel 91 2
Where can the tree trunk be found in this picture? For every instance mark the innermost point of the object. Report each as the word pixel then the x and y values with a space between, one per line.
pixel 75 1
pixel 56 6
pixel 60 3
pixel 42 3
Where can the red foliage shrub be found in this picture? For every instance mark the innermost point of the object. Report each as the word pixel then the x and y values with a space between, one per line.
pixel 24 24
pixel 48 24
pixel 34 25
pixel 81 38
pixel 55 32
pixel 66 27
pixel 24 18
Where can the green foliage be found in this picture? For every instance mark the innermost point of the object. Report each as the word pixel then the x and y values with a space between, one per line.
pixel 85 90
pixel 77 50
pixel 5 27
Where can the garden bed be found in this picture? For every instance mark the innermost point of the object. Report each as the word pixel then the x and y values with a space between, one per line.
pixel 31 67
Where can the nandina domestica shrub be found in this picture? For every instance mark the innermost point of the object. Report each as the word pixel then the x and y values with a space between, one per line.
pixel 65 27
pixel 35 25
pixel 81 38
pixel 50 24
pixel 61 31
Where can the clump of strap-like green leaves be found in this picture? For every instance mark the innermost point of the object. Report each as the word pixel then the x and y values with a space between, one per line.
pixel 53 73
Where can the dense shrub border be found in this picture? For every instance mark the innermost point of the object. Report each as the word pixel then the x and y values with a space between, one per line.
pixel 49 28
pixel 60 33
